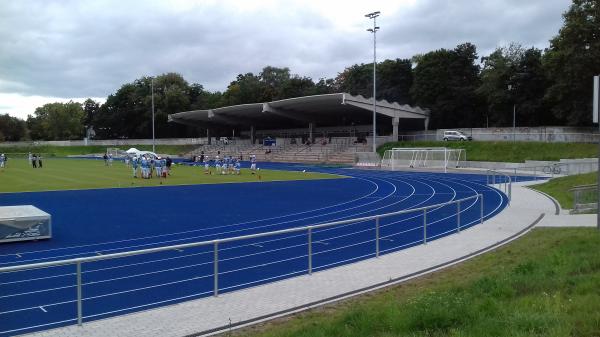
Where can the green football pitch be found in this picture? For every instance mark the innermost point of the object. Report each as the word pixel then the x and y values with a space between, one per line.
pixel 72 174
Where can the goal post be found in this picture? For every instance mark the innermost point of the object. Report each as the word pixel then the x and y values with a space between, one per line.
pixel 432 157
pixel 116 152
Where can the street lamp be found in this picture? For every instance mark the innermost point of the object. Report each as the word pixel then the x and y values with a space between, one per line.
pixel 510 87
pixel 374 30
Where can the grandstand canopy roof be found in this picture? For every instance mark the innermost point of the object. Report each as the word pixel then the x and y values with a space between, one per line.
pixel 328 109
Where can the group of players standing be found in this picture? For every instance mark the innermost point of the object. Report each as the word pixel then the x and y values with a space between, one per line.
pixel 149 167
pixel 225 165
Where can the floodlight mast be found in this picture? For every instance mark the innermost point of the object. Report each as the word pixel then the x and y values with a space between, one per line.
pixel 374 30
pixel 153 138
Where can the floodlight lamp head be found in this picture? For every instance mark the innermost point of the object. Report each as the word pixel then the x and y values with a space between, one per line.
pixel 372 15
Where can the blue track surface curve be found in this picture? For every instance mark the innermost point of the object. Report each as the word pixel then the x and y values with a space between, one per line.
pixel 104 221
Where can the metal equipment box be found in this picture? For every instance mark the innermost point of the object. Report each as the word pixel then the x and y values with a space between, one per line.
pixel 20 223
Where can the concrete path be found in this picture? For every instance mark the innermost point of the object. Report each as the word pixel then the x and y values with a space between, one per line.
pixel 562 218
pixel 249 306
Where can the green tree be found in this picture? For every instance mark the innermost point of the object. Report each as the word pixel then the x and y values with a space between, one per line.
pixel 445 81
pixel 128 112
pixel 247 88
pixel 522 70
pixel 12 129
pixel 571 61
pixel 91 108
pixel 57 121
pixel 394 80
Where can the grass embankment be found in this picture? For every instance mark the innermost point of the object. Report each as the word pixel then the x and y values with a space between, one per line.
pixel 544 284
pixel 559 187
pixel 63 151
pixel 516 152
pixel 62 174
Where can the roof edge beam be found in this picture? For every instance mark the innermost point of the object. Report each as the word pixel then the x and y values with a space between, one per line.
pixel 267 108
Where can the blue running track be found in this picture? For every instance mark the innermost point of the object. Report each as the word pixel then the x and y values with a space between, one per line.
pixel 103 221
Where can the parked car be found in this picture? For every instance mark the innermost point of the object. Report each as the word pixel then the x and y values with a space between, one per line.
pixel 455 135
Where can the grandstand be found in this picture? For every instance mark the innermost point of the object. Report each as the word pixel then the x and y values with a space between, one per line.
pixel 329 128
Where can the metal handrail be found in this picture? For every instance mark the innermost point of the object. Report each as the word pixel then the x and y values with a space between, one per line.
pixel 541 168
pixel 507 183
pixel 583 187
pixel 215 243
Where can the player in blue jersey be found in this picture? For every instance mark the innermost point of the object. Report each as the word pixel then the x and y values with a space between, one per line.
pixel 134 165
pixel 158 167
pixel 145 165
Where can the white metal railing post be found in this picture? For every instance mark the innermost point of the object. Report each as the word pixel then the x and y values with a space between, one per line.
pixel 425 226
pixel 458 216
pixel 79 296
pixel 216 269
pixel 481 207
pixel 309 250
pixel 377 237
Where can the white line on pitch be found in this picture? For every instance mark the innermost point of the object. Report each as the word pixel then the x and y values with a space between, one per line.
pixel 42 308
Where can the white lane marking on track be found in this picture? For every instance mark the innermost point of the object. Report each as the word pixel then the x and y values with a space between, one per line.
pixel 449 187
pixel 226 232
pixel 432 188
pixel 376 188
pixel 473 189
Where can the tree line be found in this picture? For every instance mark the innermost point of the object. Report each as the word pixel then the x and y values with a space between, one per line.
pixel 461 89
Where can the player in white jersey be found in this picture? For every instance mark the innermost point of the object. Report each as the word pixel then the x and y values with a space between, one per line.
pixel 134 165
pixel 218 165
pixel 237 166
pixel 206 166
pixel 253 163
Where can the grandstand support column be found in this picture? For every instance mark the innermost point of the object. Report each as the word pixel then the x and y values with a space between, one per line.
pixel 208 136
pixel 311 129
pixel 252 134
pixel 395 122
pixel 426 123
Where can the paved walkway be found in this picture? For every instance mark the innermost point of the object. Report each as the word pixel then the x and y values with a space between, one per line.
pixel 216 314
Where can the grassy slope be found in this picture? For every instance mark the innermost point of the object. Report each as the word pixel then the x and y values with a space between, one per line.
pixel 63 151
pixel 559 187
pixel 544 284
pixel 508 151
pixel 59 174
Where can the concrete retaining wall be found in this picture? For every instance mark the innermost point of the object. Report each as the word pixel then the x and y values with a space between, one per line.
pixel 538 134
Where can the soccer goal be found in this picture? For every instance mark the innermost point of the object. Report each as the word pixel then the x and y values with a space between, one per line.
pixel 431 157
pixel 116 152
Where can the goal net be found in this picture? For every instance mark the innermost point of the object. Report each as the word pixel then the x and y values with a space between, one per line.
pixel 432 157
pixel 116 152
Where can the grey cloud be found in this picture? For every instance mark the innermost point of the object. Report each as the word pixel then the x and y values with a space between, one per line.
pixel 79 49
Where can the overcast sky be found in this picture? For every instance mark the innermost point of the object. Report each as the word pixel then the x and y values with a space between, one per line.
pixel 59 50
